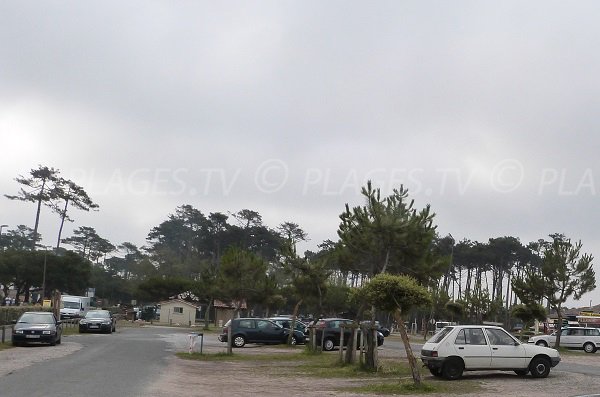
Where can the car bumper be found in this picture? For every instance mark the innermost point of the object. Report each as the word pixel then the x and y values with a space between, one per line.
pixel 222 338
pixel 554 361
pixel 33 338
pixel 95 328
pixel 433 362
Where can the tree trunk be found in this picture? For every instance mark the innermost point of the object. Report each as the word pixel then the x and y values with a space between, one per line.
pixel 412 361
pixel 207 313
pixel 294 315
pixel 63 215
pixel 37 215
pixel 558 326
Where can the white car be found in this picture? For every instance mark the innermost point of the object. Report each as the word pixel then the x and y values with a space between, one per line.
pixel 584 338
pixel 481 347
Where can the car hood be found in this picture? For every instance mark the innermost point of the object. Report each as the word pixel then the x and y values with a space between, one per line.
pixel 96 319
pixel 33 327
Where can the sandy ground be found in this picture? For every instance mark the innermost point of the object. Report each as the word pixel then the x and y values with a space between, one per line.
pixel 244 378
pixel 200 378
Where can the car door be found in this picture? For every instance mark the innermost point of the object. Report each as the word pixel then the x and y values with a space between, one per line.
pixel 247 327
pixel 506 351
pixel 575 338
pixel 471 345
pixel 269 332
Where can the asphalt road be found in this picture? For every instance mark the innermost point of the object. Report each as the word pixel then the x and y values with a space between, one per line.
pixel 121 364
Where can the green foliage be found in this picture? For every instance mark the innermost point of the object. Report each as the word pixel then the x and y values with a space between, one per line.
pixel 241 275
pixel 529 313
pixel 392 292
pixel 8 314
pixel 158 289
pixel 388 234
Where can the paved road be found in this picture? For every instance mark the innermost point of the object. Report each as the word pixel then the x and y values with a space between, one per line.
pixel 120 364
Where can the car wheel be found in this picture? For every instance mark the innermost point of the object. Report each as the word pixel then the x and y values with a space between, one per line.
pixel 53 343
pixel 239 341
pixel 541 343
pixel 589 348
pixel 521 372
pixel 328 345
pixel 436 372
pixel 115 328
pixel 59 341
pixel 539 367
pixel 453 369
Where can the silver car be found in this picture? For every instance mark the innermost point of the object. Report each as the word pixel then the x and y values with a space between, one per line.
pixel 584 338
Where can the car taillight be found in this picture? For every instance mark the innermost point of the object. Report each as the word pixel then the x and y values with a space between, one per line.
pixel 434 354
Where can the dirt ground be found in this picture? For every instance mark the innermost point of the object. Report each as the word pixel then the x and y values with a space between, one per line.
pixel 243 378
pixel 235 378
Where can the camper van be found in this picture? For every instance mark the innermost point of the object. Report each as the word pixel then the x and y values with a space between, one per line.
pixel 74 306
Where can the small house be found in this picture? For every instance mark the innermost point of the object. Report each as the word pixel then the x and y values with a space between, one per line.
pixel 178 312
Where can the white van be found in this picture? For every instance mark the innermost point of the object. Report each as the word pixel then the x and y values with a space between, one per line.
pixel 74 306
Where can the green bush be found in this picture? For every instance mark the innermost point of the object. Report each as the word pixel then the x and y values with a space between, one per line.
pixel 8 314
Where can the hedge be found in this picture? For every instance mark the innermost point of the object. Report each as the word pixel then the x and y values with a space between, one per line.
pixel 10 313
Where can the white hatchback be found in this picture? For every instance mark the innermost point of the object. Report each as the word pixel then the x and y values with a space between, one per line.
pixel 481 347
pixel 584 338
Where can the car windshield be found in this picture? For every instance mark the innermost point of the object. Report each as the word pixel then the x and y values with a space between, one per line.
pixel 37 318
pixel 70 305
pixel 98 314
pixel 440 335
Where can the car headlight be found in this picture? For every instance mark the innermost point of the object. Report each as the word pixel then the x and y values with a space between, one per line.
pixel 82 321
pixel 19 331
pixel 107 322
pixel 46 332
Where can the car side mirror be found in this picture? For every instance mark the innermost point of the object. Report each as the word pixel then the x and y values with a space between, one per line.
pixel 58 322
pixel 13 322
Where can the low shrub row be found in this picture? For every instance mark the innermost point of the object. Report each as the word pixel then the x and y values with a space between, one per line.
pixel 10 313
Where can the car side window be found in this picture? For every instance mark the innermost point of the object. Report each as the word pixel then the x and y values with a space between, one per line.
pixel 246 324
pixel 470 336
pixel 499 337
pixel 564 332
pixel 461 339
pixel 576 332
pixel 592 332
pixel 262 324
pixel 475 336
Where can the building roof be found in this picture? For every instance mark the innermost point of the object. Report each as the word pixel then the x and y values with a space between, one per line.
pixel 172 301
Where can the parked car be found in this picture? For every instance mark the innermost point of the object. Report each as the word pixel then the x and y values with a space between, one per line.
pixel 584 338
pixel 480 347
pixel 37 327
pixel 328 333
pixel 384 331
pixel 98 321
pixel 258 330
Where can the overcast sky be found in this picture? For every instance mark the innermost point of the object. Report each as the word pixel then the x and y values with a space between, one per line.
pixel 485 110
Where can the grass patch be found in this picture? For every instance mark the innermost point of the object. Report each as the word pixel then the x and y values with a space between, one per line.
pixel 399 388
pixel 223 356
pixel 4 346
pixel 70 331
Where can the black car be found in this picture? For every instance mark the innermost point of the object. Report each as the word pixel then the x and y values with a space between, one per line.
pixel 98 321
pixel 258 330
pixel 328 333
pixel 37 327
pixel 384 331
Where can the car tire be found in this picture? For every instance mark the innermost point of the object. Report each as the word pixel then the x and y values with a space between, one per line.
pixel 541 343
pixel 437 372
pixel 53 343
pixel 539 367
pixel 521 372
pixel 239 341
pixel 453 369
pixel 589 348
pixel 59 340
pixel 329 345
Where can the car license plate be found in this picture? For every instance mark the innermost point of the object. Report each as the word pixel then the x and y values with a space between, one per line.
pixel 93 326
pixel 32 336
